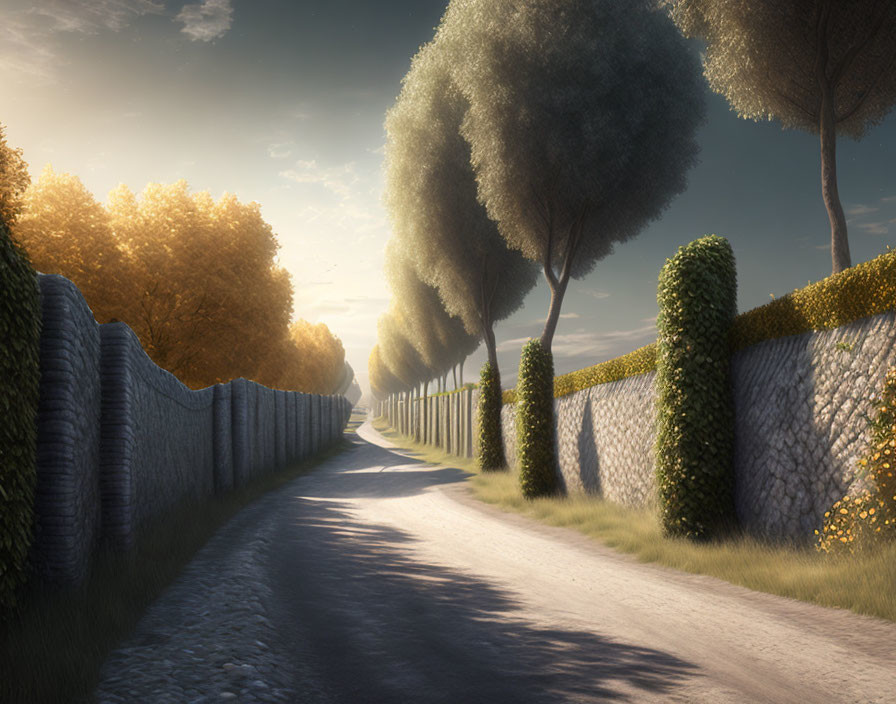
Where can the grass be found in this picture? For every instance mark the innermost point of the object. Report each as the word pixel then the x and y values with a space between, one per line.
pixel 52 651
pixel 864 583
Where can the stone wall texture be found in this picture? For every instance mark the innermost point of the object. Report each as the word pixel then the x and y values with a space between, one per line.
pixel 799 427
pixel 121 441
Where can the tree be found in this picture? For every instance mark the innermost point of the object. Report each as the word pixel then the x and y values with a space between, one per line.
pixel 208 297
pixel 440 338
pixel 818 65
pixel 66 231
pixel 581 123
pixel 431 198
pixel 308 358
pixel 382 382
pixel 14 179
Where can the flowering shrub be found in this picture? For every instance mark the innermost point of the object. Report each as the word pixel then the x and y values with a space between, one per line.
pixel 854 523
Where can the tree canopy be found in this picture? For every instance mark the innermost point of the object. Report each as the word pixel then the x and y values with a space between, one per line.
pixel 432 202
pixel 197 280
pixel 438 337
pixel 817 65
pixel 581 123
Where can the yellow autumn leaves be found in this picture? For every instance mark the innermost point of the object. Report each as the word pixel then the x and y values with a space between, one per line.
pixel 195 278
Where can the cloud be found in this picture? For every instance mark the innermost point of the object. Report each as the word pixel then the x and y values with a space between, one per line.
pixel 280 151
pixel 569 316
pixel 27 36
pixel 860 210
pixel 91 16
pixel 336 179
pixel 874 228
pixel 595 293
pixel 888 199
pixel 207 20
pixel 381 150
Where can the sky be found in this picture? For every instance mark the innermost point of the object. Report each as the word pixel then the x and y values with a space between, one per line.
pixel 283 103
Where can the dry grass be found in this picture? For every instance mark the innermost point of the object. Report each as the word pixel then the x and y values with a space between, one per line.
pixel 864 583
pixel 53 651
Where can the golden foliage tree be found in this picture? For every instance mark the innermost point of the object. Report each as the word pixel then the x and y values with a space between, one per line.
pixel 818 65
pixel 309 358
pixel 66 231
pixel 208 299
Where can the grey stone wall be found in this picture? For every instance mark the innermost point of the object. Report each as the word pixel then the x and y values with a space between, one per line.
pixel 120 441
pixel 157 438
pixel 66 503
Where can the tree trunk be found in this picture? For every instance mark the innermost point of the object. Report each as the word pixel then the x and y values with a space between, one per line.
pixel 454 372
pixel 550 325
pixel 840 258
pixel 462 370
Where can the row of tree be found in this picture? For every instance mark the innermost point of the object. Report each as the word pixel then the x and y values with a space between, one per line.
pixel 540 134
pixel 196 279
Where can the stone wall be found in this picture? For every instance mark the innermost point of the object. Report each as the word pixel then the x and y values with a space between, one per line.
pixel 799 430
pixel 121 441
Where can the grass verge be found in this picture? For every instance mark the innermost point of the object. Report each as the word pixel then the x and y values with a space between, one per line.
pixel 52 651
pixel 863 583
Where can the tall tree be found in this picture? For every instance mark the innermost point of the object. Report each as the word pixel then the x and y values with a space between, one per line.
pixel 439 337
pixel 826 66
pixel 14 179
pixel 382 382
pixel 307 358
pixel 431 197
pixel 581 122
pixel 208 296
pixel 66 231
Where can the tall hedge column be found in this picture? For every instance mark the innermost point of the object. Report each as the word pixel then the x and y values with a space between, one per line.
pixel 697 296
pixel 536 439
pixel 490 453
pixel 20 324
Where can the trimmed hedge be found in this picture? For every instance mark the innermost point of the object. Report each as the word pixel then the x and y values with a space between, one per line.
pixel 20 323
pixel 697 296
pixel 490 453
pixel 861 291
pixel 536 440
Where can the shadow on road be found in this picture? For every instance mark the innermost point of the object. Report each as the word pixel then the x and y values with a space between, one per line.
pixel 373 624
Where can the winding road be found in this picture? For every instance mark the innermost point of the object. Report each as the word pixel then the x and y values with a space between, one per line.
pixel 391 584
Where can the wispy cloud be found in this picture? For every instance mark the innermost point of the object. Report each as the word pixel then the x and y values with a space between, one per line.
pixel 206 20
pixel 340 180
pixel 860 210
pixel 874 228
pixel 569 316
pixel 888 199
pixel 28 52
pixel 594 293
pixel 280 151
pixel 91 16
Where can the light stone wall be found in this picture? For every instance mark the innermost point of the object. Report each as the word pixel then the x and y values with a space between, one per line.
pixel 799 430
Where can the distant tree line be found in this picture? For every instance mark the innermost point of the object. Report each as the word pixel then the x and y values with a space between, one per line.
pixel 196 279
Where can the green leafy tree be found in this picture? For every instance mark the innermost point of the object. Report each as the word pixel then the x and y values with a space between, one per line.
pixel 818 65
pixel 14 179
pixel 582 123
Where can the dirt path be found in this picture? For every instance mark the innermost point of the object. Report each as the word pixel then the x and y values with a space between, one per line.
pixel 391 584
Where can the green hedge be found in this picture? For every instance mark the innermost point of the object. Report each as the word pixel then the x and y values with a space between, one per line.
pixel 490 452
pixel 697 296
pixel 20 373
pixel 536 445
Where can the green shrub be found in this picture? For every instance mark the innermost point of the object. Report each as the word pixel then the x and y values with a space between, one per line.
pixel 490 454
pixel 536 445
pixel 19 384
pixel 697 296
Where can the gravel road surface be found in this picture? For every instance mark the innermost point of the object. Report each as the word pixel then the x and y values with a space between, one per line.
pixel 382 580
